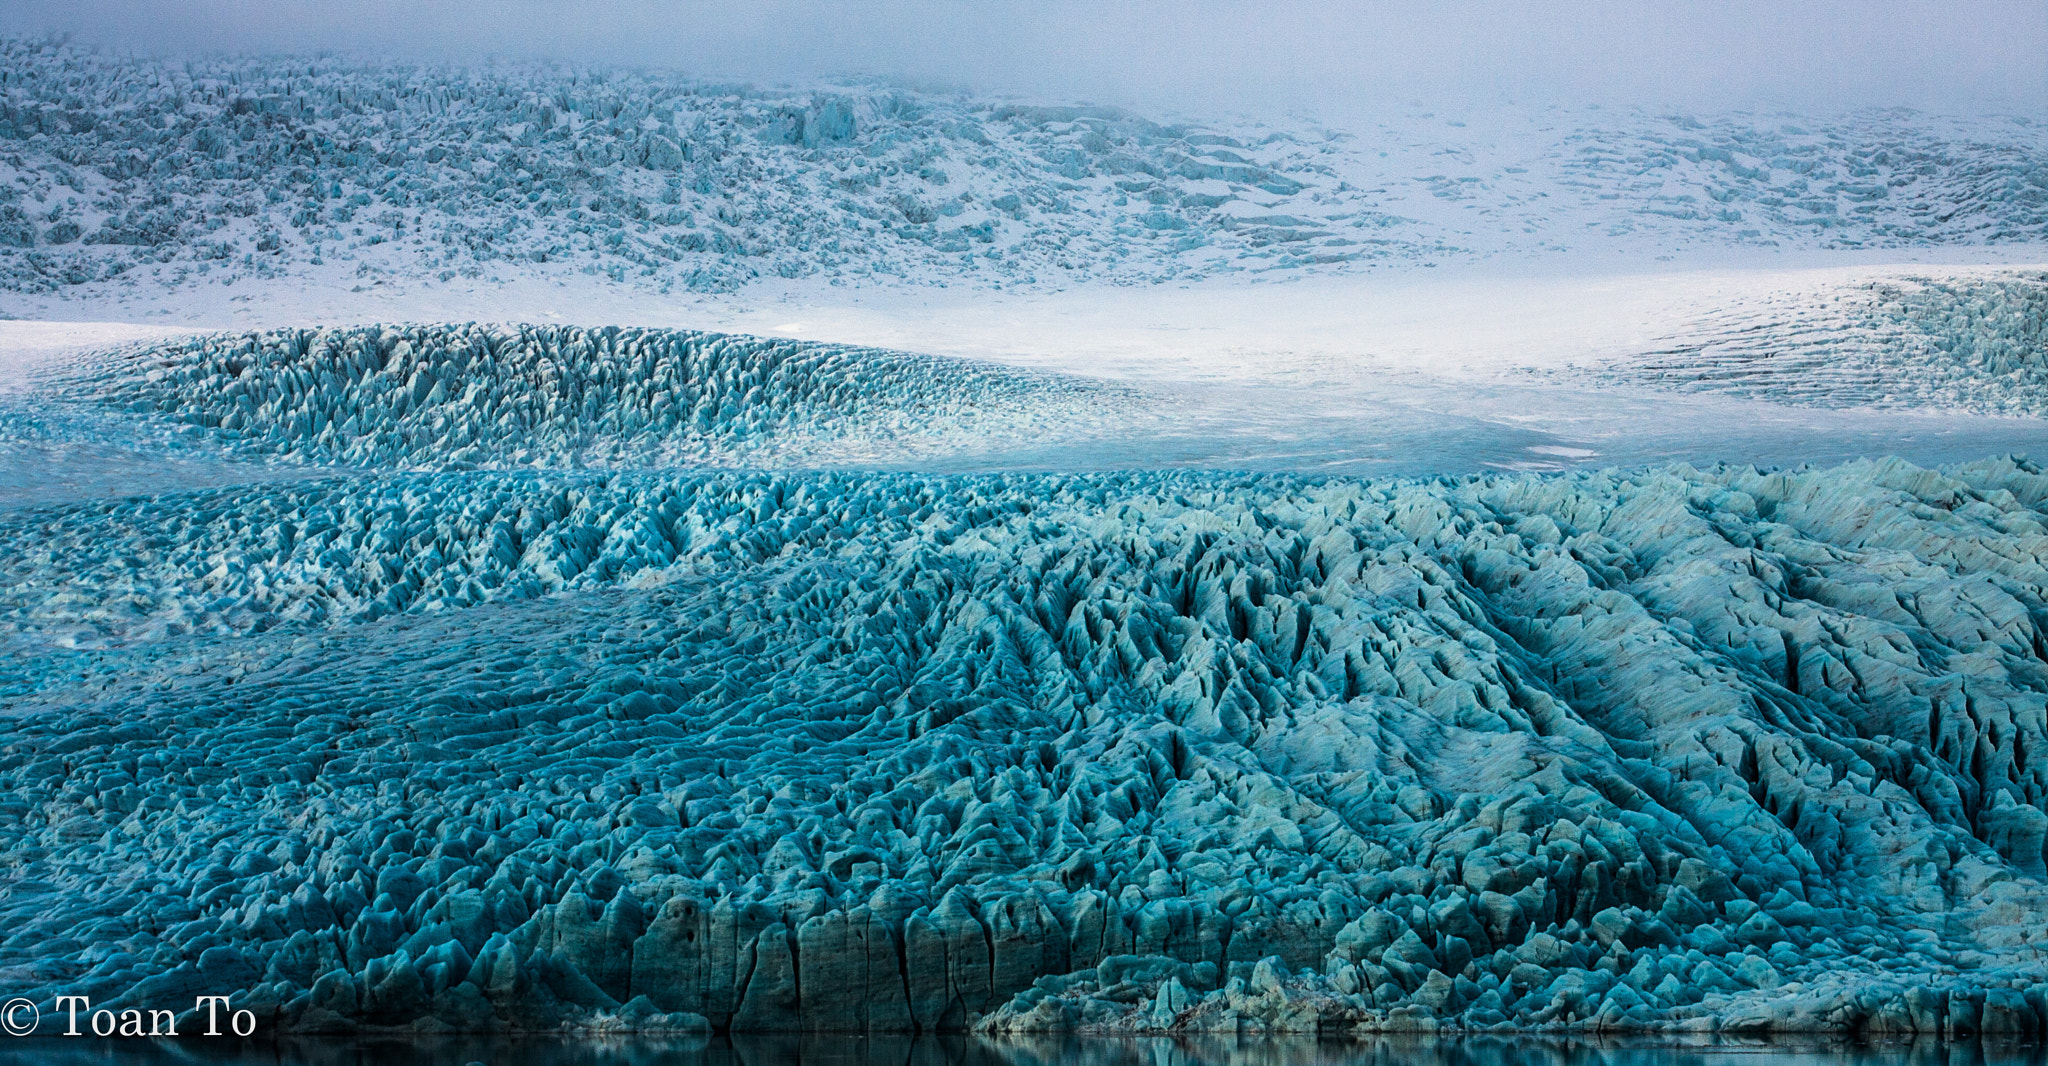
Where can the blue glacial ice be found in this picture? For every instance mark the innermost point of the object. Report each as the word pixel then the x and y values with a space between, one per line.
pixel 1129 752
pixel 466 396
pixel 410 678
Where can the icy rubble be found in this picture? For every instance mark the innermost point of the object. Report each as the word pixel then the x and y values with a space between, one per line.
pixel 467 396
pixel 1976 344
pixel 1680 748
pixel 118 172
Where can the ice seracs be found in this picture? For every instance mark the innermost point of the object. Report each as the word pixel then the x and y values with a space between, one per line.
pixel 1132 752
pixel 515 677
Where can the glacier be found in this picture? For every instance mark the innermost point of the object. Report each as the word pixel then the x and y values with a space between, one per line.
pixel 1972 343
pixel 880 752
pixel 440 397
pixel 1030 568
pixel 186 410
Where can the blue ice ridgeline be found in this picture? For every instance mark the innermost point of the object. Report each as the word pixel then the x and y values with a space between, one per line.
pixel 464 396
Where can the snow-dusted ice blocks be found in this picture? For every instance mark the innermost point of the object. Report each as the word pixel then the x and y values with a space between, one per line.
pixel 502 750
pixel 126 173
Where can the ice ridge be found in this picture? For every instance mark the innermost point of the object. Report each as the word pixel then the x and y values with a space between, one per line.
pixel 464 396
pixel 1139 752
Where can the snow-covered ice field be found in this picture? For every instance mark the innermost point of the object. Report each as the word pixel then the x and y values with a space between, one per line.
pixel 519 548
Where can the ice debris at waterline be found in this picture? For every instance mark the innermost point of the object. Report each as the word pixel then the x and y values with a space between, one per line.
pixel 468 395
pixel 1682 748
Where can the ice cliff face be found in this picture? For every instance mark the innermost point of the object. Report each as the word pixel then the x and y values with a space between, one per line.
pixel 499 750
pixel 118 172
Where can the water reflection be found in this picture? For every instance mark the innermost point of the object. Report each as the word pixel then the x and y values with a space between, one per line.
pixel 842 1050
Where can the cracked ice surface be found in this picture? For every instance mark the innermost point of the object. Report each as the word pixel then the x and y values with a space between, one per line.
pixel 1113 751
pixel 1911 342
pixel 126 177
pixel 227 407
pixel 455 397
pixel 410 677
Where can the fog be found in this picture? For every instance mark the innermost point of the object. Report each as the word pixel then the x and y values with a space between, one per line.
pixel 1193 55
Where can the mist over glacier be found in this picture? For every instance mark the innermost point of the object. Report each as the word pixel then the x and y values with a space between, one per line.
pixel 1206 57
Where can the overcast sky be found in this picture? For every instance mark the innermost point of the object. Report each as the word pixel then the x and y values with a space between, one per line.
pixel 1958 55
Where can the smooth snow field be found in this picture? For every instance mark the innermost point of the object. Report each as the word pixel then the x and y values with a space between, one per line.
pixel 717 572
